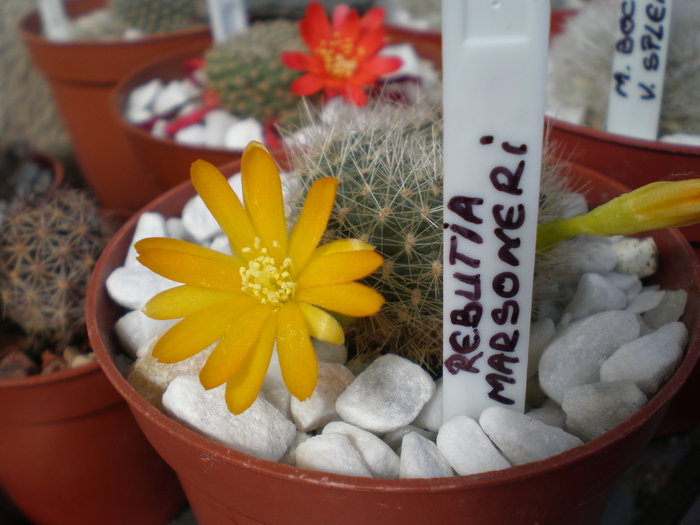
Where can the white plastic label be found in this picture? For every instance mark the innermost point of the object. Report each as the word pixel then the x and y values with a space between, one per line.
pixel 642 40
pixel 494 67
pixel 54 21
pixel 227 17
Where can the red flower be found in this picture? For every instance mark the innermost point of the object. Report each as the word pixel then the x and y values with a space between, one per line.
pixel 343 55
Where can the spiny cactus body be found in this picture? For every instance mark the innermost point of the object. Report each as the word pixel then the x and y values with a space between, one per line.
pixel 388 160
pixel 48 246
pixel 158 16
pixel 247 74
pixel 581 62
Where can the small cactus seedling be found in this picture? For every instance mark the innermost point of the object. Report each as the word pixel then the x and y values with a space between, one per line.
pixel 247 74
pixel 49 244
pixel 388 159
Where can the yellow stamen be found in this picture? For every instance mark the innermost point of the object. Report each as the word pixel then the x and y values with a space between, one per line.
pixel 338 56
pixel 265 281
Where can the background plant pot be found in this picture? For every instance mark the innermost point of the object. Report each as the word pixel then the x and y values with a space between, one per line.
pixel 72 453
pixel 167 162
pixel 633 162
pixel 224 486
pixel 81 75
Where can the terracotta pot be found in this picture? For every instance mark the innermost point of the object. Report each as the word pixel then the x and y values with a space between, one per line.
pixel 224 486
pixel 73 454
pixel 166 161
pixel 81 75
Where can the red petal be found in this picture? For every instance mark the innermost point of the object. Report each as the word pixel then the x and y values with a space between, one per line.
pixel 371 42
pixel 350 28
pixel 307 84
pixel 373 19
pixel 302 61
pixel 314 27
pixel 338 16
pixel 355 95
pixel 380 65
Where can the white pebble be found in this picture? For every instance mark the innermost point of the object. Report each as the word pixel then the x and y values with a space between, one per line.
pixel 421 458
pixel 171 97
pixel 380 459
pixel 648 361
pixel 176 229
pixel 550 414
pixel 290 457
pixel 593 254
pixel 573 358
pixel 645 301
pixel 198 220
pixel 593 295
pixel 330 353
pixel 331 453
pixel 394 439
pixel 522 439
pixel 281 399
pixel 260 431
pixel 467 448
pixel 637 256
pixel 134 329
pixel 133 287
pixel 241 132
pixel 541 332
pixel 670 309
pixel 192 135
pixel 591 410
pixel 430 417
pixel 319 409
pixel 388 395
pixel 216 124
pixel 150 224
pixel 220 244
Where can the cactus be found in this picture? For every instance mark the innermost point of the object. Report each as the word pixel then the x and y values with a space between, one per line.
pixel 49 244
pixel 246 72
pixel 158 16
pixel 388 160
pixel 581 62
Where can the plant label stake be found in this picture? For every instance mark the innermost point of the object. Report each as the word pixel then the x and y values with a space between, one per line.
pixel 54 20
pixel 642 39
pixel 494 60
pixel 227 17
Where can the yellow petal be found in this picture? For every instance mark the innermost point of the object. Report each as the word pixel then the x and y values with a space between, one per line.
pixel 312 221
pixel 244 386
pixel 224 205
pixel 353 299
pixel 177 245
pixel 297 356
pixel 340 245
pixel 195 270
pixel 229 354
pixel 322 325
pixel 200 330
pixel 182 301
pixel 338 268
pixel 262 194
pixel 657 205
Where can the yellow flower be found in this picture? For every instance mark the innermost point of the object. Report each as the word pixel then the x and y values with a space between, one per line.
pixel 657 205
pixel 276 287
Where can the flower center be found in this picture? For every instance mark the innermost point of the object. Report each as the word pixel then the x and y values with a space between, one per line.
pixel 264 280
pixel 339 56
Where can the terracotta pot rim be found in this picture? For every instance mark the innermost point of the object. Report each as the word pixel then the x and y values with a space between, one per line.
pixel 33 36
pixel 67 374
pixel 630 142
pixel 512 474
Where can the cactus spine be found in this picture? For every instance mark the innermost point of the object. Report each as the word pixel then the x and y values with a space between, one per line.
pixel 49 244
pixel 158 16
pixel 246 72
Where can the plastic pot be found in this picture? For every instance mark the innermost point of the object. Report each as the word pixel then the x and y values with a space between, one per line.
pixel 72 453
pixel 81 75
pixel 224 486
